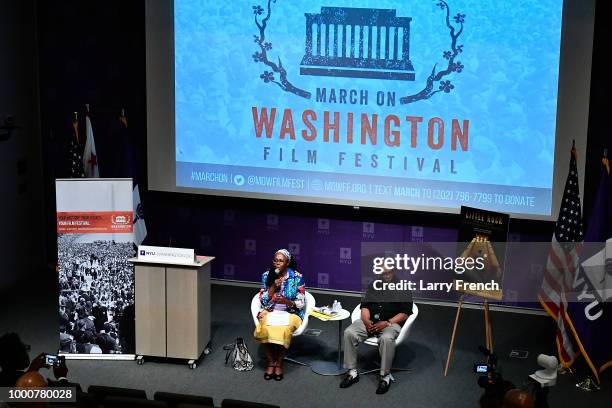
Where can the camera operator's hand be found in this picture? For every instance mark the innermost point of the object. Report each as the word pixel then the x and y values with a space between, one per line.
pixel 60 369
pixel 38 363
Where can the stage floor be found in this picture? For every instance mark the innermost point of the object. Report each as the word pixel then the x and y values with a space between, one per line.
pixel 32 312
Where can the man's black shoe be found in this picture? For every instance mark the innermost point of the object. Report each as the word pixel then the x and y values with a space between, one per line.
pixel 349 380
pixel 383 387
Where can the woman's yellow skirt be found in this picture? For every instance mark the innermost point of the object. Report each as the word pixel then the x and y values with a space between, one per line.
pixel 280 335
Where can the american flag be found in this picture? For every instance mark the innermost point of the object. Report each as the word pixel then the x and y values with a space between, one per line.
pixel 74 155
pixel 90 158
pixel 563 263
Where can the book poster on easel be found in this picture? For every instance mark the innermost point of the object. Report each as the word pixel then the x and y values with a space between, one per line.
pixel 484 234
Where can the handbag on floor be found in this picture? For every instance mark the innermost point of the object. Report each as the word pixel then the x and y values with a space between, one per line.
pixel 238 355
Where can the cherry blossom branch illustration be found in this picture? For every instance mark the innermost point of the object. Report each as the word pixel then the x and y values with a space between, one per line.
pixel 262 55
pixel 444 86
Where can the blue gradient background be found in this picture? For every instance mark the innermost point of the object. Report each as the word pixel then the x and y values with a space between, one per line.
pixel 507 89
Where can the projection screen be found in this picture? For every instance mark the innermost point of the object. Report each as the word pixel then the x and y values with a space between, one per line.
pixel 424 105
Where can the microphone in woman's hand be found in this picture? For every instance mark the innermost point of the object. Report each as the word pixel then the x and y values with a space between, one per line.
pixel 277 271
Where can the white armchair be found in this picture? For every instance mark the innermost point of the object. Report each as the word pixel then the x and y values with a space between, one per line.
pixel 404 332
pixel 309 304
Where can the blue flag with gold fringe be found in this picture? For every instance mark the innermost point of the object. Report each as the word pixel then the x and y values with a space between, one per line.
pixel 590 314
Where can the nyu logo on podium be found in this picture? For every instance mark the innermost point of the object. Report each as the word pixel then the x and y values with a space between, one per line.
pixel 357 43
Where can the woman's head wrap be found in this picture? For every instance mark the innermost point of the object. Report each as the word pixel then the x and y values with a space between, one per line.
pixel 286 253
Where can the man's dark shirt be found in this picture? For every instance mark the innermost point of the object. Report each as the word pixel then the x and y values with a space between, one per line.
pixel 385 304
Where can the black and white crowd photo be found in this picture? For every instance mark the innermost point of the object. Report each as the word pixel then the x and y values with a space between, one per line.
pixel 96 295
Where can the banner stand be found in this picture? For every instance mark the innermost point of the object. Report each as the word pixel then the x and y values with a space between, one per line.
pixel 95 239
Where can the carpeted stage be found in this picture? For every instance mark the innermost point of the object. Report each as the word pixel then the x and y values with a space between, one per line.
pixel 32 312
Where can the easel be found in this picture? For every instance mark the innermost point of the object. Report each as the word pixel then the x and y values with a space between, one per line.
pixel 487 325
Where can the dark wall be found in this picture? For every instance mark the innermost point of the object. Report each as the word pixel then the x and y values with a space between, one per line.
pixel 600 126
pixel 93 52
pixel 21 206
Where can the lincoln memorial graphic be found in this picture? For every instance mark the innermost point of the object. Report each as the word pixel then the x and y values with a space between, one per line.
pixel 357 43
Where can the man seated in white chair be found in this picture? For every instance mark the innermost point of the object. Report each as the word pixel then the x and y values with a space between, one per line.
pixel 383 313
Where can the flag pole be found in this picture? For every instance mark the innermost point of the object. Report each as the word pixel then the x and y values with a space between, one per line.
pixel 75 125
pixel 123 118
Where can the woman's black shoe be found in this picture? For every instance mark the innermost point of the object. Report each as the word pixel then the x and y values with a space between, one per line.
pixel 278 376
pixel 269 376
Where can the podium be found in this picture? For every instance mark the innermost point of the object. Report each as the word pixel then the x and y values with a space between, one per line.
pixel 172 309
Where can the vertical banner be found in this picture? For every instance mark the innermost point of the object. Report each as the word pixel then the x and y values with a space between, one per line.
pixel 95 239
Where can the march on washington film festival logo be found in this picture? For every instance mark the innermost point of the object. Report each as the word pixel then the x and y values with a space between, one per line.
pixel 358 44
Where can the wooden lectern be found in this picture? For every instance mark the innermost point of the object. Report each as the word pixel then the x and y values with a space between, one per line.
pixel 172 302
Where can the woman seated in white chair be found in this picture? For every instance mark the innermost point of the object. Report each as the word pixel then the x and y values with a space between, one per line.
pixel 283 290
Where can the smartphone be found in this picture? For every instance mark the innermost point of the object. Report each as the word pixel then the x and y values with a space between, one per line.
pixel 51 359
pixel 481 368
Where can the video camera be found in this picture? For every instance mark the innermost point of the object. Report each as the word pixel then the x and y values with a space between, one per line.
pixel 490 377
pixel 495 387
